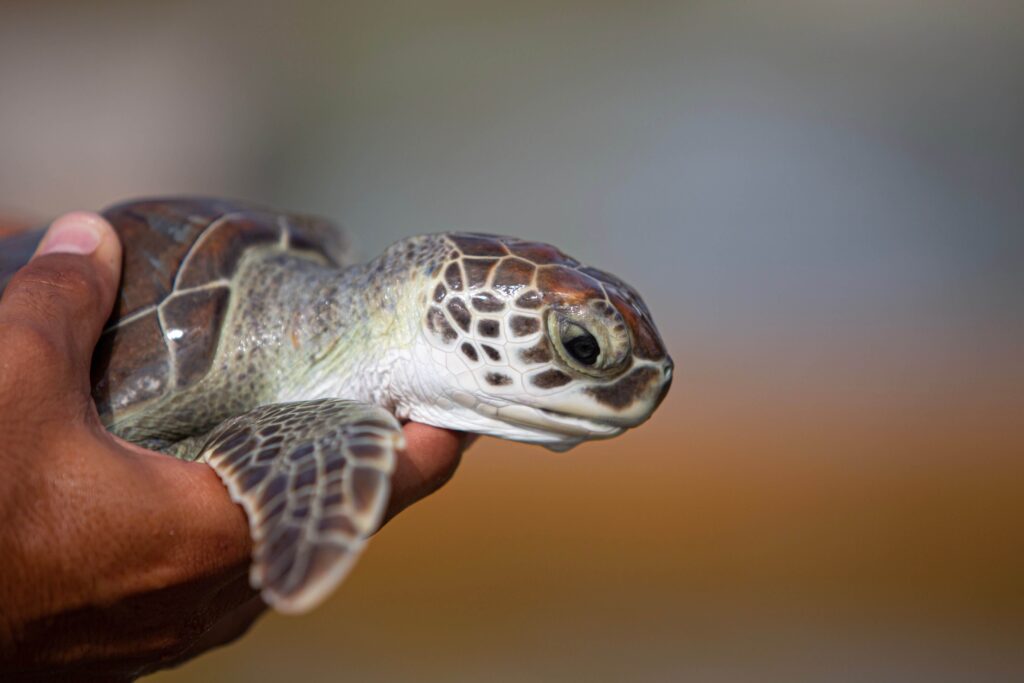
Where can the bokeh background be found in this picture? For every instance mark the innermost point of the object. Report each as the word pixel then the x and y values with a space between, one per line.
pixel 823 204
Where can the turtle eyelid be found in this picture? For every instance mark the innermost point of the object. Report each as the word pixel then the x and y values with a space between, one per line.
pixel 572 329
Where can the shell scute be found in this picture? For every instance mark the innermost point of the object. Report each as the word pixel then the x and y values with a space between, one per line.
pixel 471 244
pixel 478 270
pixel 170 312
pixel 512 275
pixel 541 254
pixel 193 322
pixel 218 251
pixel 157 235
pixel 567 286
pixel 131 365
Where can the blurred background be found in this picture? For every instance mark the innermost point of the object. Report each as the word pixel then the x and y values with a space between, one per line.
pixel 823 204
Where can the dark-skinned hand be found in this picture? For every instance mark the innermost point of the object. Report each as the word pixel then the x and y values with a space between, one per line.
pixel 116 561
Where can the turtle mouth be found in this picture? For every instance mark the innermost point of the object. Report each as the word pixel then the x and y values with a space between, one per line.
pixel 543 421
pixel 584 425
pixel 557 422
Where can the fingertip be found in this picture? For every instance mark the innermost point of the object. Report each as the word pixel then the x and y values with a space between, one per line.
pixel 78 232
pixel 83 233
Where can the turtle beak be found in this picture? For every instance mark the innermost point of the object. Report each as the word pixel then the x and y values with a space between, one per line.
pixel 666 373
pixel 629 400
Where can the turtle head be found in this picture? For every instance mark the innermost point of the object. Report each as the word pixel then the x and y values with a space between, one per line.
pixel 518 340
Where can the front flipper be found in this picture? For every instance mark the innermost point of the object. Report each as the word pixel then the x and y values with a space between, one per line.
pixel 314 479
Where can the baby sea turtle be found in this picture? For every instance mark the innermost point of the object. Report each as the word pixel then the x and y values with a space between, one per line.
pixel 244 337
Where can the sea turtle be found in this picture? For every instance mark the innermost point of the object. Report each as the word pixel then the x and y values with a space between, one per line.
pixel 245 338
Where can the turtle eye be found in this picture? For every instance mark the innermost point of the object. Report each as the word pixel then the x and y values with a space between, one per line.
pixel 581 345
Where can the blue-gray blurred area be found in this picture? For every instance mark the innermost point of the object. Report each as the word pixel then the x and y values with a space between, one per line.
pixel 770 157
pixel 822 202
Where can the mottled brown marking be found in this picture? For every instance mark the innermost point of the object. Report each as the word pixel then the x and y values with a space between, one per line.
pixel 469 352
pixel 603 308
pixel 251 477
pixel 336 498
pixel 304 478
pixel 237 456
pixel 487 303
pixel 550 379
pixel 231 439
pixel 513 274
pixel 478 245
pixel 567 286
pixel 375 424
pixel 488 328
pixel 439 293
pixel 460 314
pixel 497 379
pixel 195 318
pixel 274 489
pixel 491 352
pixel 540 353
pixel 453 276
pixel 624 392
pixel 365 450
pixel 432 316
pixel 438 324
pixel 268 454
pixel 478 270
pixel 301 452
pixel 523 326
pixel 531 299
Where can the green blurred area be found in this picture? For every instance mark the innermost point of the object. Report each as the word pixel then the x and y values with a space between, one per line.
pixel 821 202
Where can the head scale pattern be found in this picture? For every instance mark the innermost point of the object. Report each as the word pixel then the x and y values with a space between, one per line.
pixel 501 310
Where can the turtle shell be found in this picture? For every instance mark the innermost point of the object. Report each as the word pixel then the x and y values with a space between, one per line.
pixel 180 260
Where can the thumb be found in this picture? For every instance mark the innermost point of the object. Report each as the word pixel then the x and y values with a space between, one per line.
pixel 57 304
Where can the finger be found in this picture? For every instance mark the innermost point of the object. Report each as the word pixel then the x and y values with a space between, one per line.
pixel 213 530
pixel 56 305
pixel 430 459
pixel 234 624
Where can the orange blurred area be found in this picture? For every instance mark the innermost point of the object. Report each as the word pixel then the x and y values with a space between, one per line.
pixel 12 226
pixel 730 538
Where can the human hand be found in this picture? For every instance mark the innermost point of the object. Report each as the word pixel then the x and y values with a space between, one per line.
pixel 116 561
